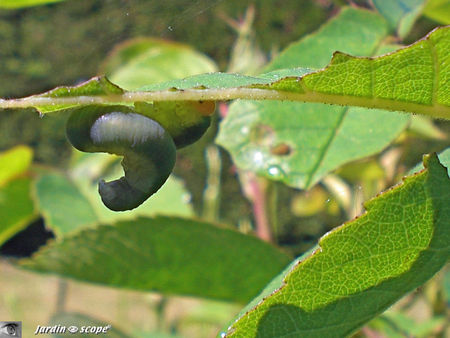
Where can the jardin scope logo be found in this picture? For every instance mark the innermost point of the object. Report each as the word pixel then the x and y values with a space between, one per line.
pixel 61 329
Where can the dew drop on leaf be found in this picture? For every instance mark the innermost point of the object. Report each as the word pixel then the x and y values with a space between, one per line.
pixel 276 172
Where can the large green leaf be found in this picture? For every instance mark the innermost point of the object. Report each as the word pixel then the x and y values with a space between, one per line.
pixel 143 61
pixel 413 79
pixel 320 138
pixel 360 268
pixel 169 255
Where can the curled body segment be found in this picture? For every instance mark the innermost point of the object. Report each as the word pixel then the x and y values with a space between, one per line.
pixel 147 148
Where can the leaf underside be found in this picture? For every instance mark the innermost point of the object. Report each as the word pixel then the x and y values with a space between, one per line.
pixel 318 138
pixel 414 79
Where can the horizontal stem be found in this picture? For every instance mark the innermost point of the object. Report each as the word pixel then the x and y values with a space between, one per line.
pixel 213 94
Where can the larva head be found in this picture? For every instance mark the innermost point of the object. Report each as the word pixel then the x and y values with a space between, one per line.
pixel 205 108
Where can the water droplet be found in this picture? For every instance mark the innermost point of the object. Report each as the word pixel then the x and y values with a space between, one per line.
pixel 258 158
pixel 245 130
pixel 276 172
pixel 186 198
pixel 328 200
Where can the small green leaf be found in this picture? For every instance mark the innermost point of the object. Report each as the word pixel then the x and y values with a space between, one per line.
pixel 360 268
pixel 447 285
pixel 16 207
pixel 400 14
pixel 438 10
pixel 444 158
pixel 413 328
pixel 169 255
pixel 62 205
pixel 16 4
pixel 97 86
pixel 14 162
pixel 356 31
pixel 225 80
pixel 143 61
pixel 425 127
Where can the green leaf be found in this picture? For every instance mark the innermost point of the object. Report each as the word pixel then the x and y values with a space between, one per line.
pixel 355 31
pixel 203 82
pixel 447 286
pixel 62 205
pixel 414 79
pixel 96 87
pixel 424 127
pixel 143 61
pixel 320 138
pixel 411 327
pixel 438 10
pixel 169 255
pixel 14 162
pixel 16 4
pixel 16 205
pixel 400 14
pixel 360 268
pixel 16 208
pixel 444 158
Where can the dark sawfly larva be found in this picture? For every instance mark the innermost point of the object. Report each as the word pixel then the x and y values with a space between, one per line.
pixel 147 148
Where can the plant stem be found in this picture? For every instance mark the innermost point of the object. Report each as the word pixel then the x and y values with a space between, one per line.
pixel 255 189
pixel 216 94
pixel 61 296
pixel 211 195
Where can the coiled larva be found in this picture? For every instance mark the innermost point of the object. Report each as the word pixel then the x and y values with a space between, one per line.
pixel 148 151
